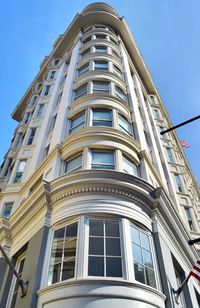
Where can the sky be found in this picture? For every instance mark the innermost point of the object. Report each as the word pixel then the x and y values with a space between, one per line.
pixel 166 33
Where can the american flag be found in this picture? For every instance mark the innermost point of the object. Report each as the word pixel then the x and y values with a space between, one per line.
pixel 195 272
pixel 184 144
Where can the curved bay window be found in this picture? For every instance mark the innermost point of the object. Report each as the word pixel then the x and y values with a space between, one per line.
pixel 104 252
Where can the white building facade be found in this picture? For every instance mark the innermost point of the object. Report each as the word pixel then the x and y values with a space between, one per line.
pixel 96 206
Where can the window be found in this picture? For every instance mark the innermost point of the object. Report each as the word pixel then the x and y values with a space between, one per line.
pixel 7 208
pixel 189 218
pixel 8 169
pixel 178 182
pixel 124 125
pixel 104 256
pixel 73 164
pixel 63 254
pixel 115 53
pixel 19 268
pixel 19 139
pixel 100 49
pixel 52 74
pixel 33 100
pixel 142 257
pixel 100 65
pixel 83 69
pixel 101 117
pixel 38 86
pixel 119 93
pixel 77 123
pixel 157 114
pixel 81 91
pixel 56 62
pixel 100 86
pixel 102 160
pixel 117 71
pixel 53 122
pixel 85 52
pixel 31 136
pixel 100 37
pixel 161 130
pixel 20 170
pixel 129 167
pixel 46 90
pixel 113 40
pixel 170 155
pixel 87 39
pixel 27 117
pixel 59 98
pixel 46 150
pixel 40 110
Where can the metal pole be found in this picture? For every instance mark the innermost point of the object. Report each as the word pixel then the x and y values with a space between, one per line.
pixel 180 289
pixel 181 124
pixel 196 240
pixel 23 285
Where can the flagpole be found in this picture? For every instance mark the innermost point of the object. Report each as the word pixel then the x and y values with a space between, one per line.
pixel 180 289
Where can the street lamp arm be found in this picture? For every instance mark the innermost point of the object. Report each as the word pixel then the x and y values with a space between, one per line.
pixel 179 125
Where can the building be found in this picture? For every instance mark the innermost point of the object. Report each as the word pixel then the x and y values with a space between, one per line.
pixel 96 206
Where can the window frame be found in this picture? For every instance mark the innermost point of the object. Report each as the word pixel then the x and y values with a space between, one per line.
pixel 110 111
pixel 10 203
pixel 31 135
pixel 83 69
pixel 103 151
pixel 124 157
pixel 84 87
pixel 121 128
pixel 101 47
pixel 99 90
pixel 19 174
pixel 120 94
pixel 101 65
pixel 79 167
pixel 71 129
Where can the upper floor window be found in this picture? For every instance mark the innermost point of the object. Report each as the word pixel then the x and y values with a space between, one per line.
pixel 53 122
pixel 100 86
pixel 73 164
pixel 189 218
pixel 27 117
pixel 115 53
pixel 8 166
pixel 40 110
pixel 46 90
pixel 77 123
pixel 7 208
pixel 63 254
pixel 33 100
pixel 87 39
pixel 120 93
pixel 113 40
pixel 101 65
pixel 81 91
pixel 100 37
pixel 52 74
pixel 124 125
pixel 31 136
pixel 101 117
pixel 83 69
pixel 102 160
pixel 117 71
pixel 142 257
pixel 38 86
pixel 56 62
pixel 104 256
pixel 129 166
pixel 157 114
pixel 100 49
pixel 20 171
pixel 85 52
pixel 19 139
pixel 170 154
pixel 178 182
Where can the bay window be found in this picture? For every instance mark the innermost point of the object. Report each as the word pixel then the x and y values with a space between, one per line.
pixel 100 87
pixel 101 117
pixel 77 123
pixel 73 164
pixel 102 160
pixel 101 65
pixel 83 69
pixel 101 49
pixel 81 91
pixel 124 125
pixel 129 167
pixel 120 94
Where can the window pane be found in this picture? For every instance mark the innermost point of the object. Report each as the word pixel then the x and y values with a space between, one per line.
pixel 119 93
pixel 68 269
pixel 102 117
pixel 102 158
pixel 96 266
pixel 112 228
pixel 73 164
pixel 101 65
pixel 100 49
pixel 137 255
pixel 113 247
pixel 124 124
pixel 80 91
pixel 129 167
pixel 83 69
pixel 144 240
pixel 150 276
pixel 96 246
pixel 96 227
pixel 139 272
pixel 135 236
pixel 113 267
pixel 7 209
pixel 147 258
pixel 77 123
pixel 99 86
pixel 70 249
pixel 22 165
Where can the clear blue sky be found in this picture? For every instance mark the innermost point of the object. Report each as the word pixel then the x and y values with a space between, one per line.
pixel 166 32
